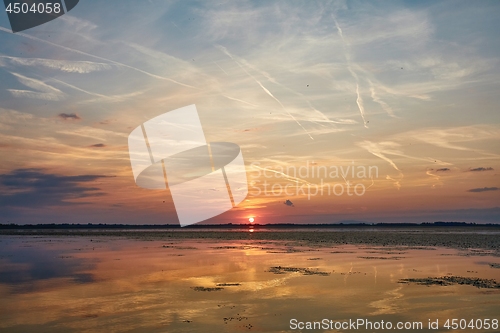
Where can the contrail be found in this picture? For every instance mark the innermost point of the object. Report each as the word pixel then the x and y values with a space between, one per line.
pixel 316 110
pixel 220 68
pixel 371 183
pixel 359 102
pixel 345 180
pixel 239 100
pixel 377 152
pixel 42 90
pixel 359 99
pixel 112 97
pixel 277 100
pixel 62 65
pixel 101 58
pixel 223 49
pixel 36 84
pixel 293 179
pixel 376 99
pixel 79 89
pixel 388 160
pixel 273 80
pixel 175 25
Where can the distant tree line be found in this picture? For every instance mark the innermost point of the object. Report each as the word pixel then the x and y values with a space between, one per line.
pixel 241 226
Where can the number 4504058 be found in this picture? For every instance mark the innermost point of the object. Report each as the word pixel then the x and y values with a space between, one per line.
pixel 462 324
pixel 36 8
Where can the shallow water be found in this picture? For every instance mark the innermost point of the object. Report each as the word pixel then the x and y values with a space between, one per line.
pixel 110 284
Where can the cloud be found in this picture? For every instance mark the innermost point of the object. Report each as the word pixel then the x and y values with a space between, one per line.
pixel 483 189
pixel 71 116
pixel 98 145
pixel 452 138
pixel 68 66
pixel 359 99
pixel 223 49
pixel 481 169
pixel 92 132
pixel 33 95
pixel 35 188
pixel 381 150
pixel 43 90
pixel 443 169
pixel 13 117
pixel 97 57
pixel 36 84
pixel 100 97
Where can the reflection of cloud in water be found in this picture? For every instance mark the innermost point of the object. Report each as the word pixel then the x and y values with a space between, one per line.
pixel 23 267
pixel 388 305
pixel 247 285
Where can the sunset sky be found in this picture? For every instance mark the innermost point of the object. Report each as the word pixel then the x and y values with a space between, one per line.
pixel 409 88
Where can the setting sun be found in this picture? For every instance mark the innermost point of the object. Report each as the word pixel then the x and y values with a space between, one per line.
pixel 251 220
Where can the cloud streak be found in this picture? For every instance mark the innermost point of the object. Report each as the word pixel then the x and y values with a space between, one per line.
pixel 481 169
pixel 359 98
pixel 223 49
pixel 100 58
pixel 44 90
pixel 381 150
pixel 68 66
pixel 69 116
pixel 483 189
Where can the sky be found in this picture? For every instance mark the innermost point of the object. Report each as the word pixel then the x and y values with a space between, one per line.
pixel 404 93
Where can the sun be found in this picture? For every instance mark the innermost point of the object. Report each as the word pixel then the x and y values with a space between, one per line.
pixel 251 220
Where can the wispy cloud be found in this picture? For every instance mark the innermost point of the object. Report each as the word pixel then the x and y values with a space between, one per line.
pixel 241 101
pixel 435 177
pixel 483 189
pixel 34 95
pixel 359 98
pixel 282 175
pixel 223 49
pixel 44 90
pixel 69 116
pixel 82 67
pixel 376 98
pixel 426 90
pixel 481 169
pixel 381 150
pixel 92 132
pixel 452 137
pixel 100 58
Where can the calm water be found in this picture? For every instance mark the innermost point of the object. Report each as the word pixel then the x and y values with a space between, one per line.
pixel 104 284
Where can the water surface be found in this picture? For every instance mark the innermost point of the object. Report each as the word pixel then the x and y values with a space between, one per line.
pixel 111 284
